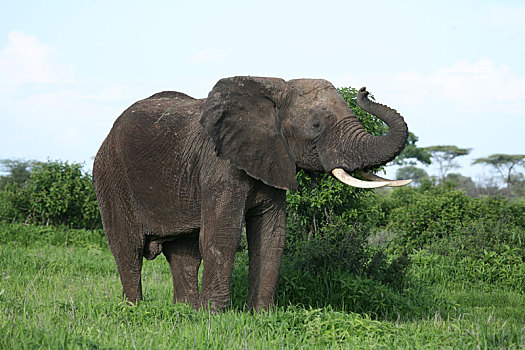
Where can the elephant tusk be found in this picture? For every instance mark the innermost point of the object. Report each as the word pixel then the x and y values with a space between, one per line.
pixel 346 178
pixel 374 177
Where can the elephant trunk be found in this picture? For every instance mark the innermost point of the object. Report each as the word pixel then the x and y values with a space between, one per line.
pixel 350 147
pixel 380 150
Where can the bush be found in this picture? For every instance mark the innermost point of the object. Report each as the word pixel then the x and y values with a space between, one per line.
pixel 12 203
pixel 323 206
pixel 477 237
pixel 422 217
pixel 350 253
pixel 432 215
pixel 56 193
pixel 326 283
pixel 342 271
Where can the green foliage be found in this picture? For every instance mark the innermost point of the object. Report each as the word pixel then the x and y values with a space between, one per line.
pixel 347 274
pixel 432 215
pixel 56 193
pixel 324 206
pixel 421 216
pixel 352 255
pixel 11 204
pixel 502 161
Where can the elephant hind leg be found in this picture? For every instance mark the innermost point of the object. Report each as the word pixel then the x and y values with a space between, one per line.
pixel 128 257
pixel 126 243
pixel 184 258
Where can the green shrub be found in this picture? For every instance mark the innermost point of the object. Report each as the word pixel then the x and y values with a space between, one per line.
pixel 349 252
pixel 323 205
pixel 12 204
pixel 459 239
pixel 431 215
pixel 475 237
pixel 335 287
pixel 423 217
pixel 56 193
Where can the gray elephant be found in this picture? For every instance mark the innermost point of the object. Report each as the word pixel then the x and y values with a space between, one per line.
pixel 182 176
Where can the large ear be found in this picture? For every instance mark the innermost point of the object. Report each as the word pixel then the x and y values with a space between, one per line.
pixel 241 116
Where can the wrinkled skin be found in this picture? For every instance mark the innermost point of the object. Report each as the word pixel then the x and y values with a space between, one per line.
pixel 183 176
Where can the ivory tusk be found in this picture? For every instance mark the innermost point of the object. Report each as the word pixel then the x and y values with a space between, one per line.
pixel 374 177
pixel 346 178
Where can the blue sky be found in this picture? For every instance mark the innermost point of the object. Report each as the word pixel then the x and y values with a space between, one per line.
pixel 454 69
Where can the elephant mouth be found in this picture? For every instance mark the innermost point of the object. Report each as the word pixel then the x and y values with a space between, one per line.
pixel 371 180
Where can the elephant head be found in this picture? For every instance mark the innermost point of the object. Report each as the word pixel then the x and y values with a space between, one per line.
pixel 270 127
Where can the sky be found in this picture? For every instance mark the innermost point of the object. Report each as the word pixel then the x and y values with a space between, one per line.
pixel 454 69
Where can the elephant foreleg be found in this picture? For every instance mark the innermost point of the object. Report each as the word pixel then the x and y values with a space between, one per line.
pixel 222 222
pixel 266 234
pixel 184 258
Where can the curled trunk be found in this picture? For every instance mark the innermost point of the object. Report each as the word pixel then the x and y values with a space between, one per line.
pixel 383 149
pixel 350 147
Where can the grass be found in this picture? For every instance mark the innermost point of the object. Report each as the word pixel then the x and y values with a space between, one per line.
pixel 63 293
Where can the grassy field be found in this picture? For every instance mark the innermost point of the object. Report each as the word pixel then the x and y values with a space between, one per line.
pixel 60 290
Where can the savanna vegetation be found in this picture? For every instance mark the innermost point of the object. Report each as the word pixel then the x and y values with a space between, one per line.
pixel 426 266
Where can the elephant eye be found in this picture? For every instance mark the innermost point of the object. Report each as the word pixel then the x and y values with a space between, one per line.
pixel 317 124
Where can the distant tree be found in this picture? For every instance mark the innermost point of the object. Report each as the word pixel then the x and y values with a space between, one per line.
pixel 488 186
pixel 18 171
pixel 412 172
pixel 518 186
pixel 464 183
pixel 504 164
pixel 445 156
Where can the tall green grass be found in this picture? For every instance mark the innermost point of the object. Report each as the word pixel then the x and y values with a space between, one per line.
pixel 63 293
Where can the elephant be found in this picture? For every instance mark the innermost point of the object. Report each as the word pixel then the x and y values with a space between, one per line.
pixel 184 176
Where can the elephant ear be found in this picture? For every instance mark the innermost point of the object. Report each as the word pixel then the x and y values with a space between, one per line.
pixel 241 116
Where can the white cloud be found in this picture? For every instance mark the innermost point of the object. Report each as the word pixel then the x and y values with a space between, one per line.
pixel 476 86
pixel 46 111
pixel 27 60
pixel 207 55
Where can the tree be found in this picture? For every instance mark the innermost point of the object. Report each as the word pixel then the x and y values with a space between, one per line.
pixel 445 156
pixel 504 164
pixel 18 171
pixel 464 183
pixel 412 172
